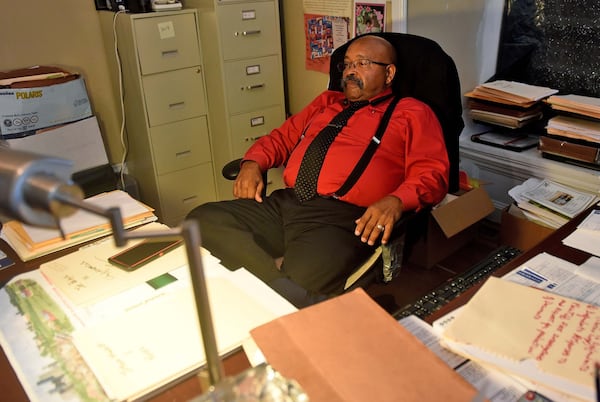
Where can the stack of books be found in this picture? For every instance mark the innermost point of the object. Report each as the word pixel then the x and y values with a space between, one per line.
pixel 507 103
pixel 573 135
pixel 31 242
pixel 550 204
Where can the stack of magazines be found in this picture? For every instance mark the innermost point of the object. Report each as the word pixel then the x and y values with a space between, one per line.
pixel 549 203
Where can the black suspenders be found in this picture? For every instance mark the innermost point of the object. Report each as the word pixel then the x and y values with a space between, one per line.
pixel 371 148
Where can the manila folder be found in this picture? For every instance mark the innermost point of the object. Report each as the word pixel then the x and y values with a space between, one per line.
pixel 349 349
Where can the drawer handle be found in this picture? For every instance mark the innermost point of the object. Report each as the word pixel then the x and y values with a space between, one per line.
pixel 170 53
pixel 247 33
pixel 176 105
pixel 248 139
pixel 189 199
pixel 255 86
pixel 183 153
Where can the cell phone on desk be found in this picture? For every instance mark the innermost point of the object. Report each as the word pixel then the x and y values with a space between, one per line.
pixel 142 253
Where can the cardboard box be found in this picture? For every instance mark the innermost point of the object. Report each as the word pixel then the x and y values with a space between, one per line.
pixel 80 142
pixel 25 110
pixel 518 231
pixel 451 225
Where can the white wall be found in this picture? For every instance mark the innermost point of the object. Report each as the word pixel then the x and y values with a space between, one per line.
pixel 468 30
pixel 64 34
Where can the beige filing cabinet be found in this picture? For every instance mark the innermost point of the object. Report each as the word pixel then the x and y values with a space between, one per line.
pixel 244 77
pixel 166 110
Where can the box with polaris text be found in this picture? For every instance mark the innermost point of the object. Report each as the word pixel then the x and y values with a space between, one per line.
pixel 451 225
pixel 23 111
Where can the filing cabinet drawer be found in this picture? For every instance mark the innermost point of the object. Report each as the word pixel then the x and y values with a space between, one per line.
pixel 180 145
pixel 253 83
pixel 250 31
pixel 183 190
pixel 174 95
pixel 248 127
pixel 167 43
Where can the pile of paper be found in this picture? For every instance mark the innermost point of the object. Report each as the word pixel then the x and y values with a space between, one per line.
pixel 511 93
pixel 502 115
pixel 507 103
pixel 30 242
pixel 587 238
pixel 573 127
pixel 113 335
pixel 535 335
pixel 577 104
pixel 550 204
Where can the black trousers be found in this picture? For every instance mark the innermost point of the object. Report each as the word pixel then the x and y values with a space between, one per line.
pixel 316 240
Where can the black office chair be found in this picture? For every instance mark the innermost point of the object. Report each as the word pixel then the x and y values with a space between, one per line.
pixel 425 72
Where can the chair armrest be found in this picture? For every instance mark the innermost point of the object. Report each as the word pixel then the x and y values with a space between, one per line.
pixel 231 169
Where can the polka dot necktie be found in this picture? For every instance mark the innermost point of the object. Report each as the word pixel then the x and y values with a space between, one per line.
pixel 308 173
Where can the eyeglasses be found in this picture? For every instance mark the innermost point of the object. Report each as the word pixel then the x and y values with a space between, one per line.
pixel 363 64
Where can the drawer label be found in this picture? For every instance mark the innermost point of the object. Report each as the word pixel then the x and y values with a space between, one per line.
pixel 251 70
pixel 166 30
pixel 248 15
pixel 257 121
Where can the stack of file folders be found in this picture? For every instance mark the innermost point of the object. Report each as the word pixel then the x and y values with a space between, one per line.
pixel 31 242
pixel 573 136
pixel 506 103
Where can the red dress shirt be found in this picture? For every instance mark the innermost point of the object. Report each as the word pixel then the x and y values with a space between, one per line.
pixel 411 162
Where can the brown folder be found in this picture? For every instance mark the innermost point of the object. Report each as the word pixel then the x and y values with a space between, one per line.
pixel 348 349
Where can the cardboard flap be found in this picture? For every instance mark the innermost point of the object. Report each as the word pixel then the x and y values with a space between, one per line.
pixel 36 76
pixel 463 211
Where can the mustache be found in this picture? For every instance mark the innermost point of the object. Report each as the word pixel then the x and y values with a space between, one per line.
pixel 354 79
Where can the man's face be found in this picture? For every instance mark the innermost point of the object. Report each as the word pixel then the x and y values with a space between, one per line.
pixel 362 82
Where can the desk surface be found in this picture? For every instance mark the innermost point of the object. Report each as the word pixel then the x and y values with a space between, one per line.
pixel 189 388
pixel 183 390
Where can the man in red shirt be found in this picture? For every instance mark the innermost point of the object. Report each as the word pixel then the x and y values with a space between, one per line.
pixel 319 242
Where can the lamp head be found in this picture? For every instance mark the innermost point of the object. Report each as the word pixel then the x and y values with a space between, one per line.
pixel 32 184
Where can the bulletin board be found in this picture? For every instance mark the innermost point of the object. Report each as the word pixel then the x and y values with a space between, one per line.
pixel 329 24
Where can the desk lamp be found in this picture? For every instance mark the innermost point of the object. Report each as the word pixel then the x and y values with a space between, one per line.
pixel 37 190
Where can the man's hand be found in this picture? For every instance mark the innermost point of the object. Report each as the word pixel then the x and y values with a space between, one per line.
pixel 378 220
pixel 249 182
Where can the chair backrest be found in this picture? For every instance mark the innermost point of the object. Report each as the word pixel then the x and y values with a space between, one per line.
pixel 427 73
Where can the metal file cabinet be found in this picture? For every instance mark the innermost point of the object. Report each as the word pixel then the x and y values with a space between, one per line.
pixel 166 109
pixel 244 77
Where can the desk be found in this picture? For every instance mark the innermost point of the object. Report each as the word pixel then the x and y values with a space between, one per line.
pixel 183 390
pixel 552 244
pixel 237 362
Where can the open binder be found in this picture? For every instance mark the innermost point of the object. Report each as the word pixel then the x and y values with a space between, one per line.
pixel 513 141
